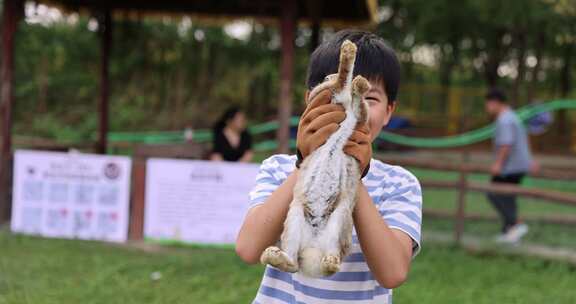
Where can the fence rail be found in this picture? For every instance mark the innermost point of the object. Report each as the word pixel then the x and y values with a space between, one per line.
pixel 545 219
pixel 545 173
pixel 557 197
pixel 463 186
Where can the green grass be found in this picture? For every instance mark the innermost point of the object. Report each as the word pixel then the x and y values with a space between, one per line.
pixel 38 271
pixel 41 271
pixel 447 275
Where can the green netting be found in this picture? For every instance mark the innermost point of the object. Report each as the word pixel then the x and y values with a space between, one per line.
pixel 467 138
pixel 477 135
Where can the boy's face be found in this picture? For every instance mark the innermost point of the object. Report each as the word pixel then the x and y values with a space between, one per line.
pixel 380 108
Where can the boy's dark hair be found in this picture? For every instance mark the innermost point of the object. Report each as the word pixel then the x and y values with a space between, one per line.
pixel 374 60
pixel 496 94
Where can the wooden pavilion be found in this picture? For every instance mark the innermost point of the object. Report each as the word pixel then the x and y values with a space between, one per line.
pixel 287 13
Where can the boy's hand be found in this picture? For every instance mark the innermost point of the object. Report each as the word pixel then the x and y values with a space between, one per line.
pixel 320 120
pixel 317 123
pixel 359 146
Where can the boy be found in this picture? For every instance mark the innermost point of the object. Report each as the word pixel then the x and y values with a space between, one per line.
pixel 387 215
pixel 512 161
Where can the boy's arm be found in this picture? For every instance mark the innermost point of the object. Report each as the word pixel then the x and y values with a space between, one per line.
pixel 264 223
pixel 388 252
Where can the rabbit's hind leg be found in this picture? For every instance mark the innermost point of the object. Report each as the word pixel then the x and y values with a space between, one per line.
pixel 336 237
pixel 360 86
pixel 331 239
pixel 291 240
pixel 274 256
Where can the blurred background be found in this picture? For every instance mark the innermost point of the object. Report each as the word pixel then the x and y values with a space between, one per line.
pixel 148 79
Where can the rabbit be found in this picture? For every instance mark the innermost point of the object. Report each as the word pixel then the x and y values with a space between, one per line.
pixel 317 231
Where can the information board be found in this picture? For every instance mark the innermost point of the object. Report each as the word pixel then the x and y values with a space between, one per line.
pixel 196 201
pixel 71 195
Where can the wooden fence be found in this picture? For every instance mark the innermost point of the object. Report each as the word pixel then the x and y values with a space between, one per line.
pixel 463 186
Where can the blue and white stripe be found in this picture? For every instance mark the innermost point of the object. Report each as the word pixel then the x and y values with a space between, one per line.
pixel 398 197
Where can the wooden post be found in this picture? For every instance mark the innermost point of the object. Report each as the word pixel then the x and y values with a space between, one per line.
pixel 573 140
pixel 137 205
pixel 12 11
pixel 287 29
pixel 315 15
pixel 105 30
pixel 460 216
pixel 315 38
pixel 454 111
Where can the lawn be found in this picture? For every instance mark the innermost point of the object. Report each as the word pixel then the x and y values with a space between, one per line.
pixel 41 271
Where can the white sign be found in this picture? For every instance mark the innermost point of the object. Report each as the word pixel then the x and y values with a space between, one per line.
pixel 71 195
pixel 196 201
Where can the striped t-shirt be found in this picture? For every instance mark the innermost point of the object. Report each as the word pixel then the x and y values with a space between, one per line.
pixel 398 197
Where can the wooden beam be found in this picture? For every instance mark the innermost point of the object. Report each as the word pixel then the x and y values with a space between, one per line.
pixel 105 30
pixel 558 197
pixel 434 164
pixel 554 219
pixel 340 14
pixel 287 30
pixel 12 11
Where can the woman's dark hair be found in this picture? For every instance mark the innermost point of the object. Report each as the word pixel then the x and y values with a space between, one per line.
pixel 228 115
pixel 374 60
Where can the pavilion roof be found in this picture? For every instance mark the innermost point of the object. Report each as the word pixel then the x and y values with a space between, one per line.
pixel 337 13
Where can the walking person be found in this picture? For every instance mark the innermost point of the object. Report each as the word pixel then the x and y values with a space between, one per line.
pixel 512 161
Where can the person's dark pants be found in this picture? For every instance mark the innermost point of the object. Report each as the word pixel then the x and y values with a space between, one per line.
pixel 505 204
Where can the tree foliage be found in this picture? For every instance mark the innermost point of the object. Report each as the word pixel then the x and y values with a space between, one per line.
pixel 168 74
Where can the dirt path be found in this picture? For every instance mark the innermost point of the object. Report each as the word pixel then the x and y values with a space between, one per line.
pixel 483 246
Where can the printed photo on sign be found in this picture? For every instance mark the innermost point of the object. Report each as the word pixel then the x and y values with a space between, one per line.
pixel 108 195
pixel 32 191
pixel 57 222
pixel 58 192
pixel 107 224
pixel 84 194
pixel 31 220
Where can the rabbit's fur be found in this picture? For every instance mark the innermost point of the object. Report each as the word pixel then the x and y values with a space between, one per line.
pixel 318 228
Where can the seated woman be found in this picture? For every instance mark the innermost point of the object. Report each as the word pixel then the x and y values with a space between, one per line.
pixel 231 141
